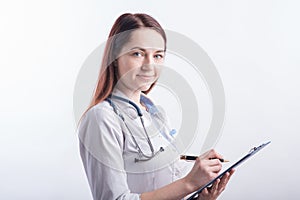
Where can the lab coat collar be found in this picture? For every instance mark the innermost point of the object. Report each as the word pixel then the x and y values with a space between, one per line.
pixel 151 108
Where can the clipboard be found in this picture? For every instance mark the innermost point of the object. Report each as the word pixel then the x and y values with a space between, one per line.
pixel 243 159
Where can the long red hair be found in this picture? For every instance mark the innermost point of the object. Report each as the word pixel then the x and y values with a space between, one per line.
pixel 118 36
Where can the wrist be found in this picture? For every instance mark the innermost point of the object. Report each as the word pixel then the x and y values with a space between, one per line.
pixel 188 185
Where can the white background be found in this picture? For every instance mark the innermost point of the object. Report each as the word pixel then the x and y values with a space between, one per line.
pixel 254 45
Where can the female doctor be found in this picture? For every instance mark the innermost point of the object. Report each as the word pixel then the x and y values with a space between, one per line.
pixel 124 137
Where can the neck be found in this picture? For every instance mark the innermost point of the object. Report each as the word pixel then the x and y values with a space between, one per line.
pixel 132 95
pixel 135 97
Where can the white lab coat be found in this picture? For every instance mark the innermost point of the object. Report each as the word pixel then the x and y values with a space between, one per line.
pixel 108 151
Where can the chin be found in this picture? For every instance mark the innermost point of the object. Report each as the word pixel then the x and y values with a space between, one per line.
pixel 144 87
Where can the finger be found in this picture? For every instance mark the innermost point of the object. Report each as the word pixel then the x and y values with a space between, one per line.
pixel 215 169
pixel 209 164
pixel 213 154
pixel 224 181
pixel 214 162
pixel 215 186
pixel 205 191
pixel 232 171
pixel 209 154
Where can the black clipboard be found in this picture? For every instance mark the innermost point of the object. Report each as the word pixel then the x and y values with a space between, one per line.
pixel 243 159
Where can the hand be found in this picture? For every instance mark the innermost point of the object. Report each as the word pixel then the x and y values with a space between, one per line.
pixel 217 188
pixel 204 170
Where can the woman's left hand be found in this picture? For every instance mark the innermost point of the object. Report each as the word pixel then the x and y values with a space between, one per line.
pixel 216 189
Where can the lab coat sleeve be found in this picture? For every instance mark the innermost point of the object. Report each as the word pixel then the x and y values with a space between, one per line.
pixel 101 145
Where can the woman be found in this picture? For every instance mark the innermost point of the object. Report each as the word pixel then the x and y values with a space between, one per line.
pixel 124 137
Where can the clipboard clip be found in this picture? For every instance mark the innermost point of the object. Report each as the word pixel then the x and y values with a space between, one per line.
pixel 255 149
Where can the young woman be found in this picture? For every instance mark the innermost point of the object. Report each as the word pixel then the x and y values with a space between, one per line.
pixel 124 138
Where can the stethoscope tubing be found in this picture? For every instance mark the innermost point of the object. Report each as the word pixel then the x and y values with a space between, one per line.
pixel 140 114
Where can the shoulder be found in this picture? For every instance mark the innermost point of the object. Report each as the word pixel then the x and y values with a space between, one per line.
pixel 102 110
pixel 100 114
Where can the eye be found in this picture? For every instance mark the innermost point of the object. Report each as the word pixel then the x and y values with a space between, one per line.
pixel 158 56
pixel 138 54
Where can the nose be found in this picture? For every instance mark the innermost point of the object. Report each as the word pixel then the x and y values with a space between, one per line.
pixel 148 62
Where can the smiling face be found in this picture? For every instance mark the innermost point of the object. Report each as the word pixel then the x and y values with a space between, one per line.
pixel 140 57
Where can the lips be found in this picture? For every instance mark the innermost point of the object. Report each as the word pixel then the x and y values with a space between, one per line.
pixel 146 77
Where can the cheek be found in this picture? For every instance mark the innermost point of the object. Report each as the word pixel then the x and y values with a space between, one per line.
pixel 127 66
pixel 158 71
pixel 122 67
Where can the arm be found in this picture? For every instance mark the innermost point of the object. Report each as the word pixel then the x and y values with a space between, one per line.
pixel 101 144
pixel 202 172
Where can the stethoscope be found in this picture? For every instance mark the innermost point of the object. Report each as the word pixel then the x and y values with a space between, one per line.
pixel 142 155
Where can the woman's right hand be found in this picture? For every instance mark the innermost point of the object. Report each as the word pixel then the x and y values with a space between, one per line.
pixel 206 167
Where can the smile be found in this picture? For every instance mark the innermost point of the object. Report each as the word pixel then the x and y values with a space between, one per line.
pixel 146 77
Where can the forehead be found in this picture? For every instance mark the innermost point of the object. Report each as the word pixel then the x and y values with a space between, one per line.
pixel 145 38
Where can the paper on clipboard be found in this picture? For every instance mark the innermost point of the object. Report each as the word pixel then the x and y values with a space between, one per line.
pixel 243 159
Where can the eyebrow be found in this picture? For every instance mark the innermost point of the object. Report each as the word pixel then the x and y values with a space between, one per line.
pixel 143 49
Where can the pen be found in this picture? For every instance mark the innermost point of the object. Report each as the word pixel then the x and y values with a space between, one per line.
pixel 186 157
